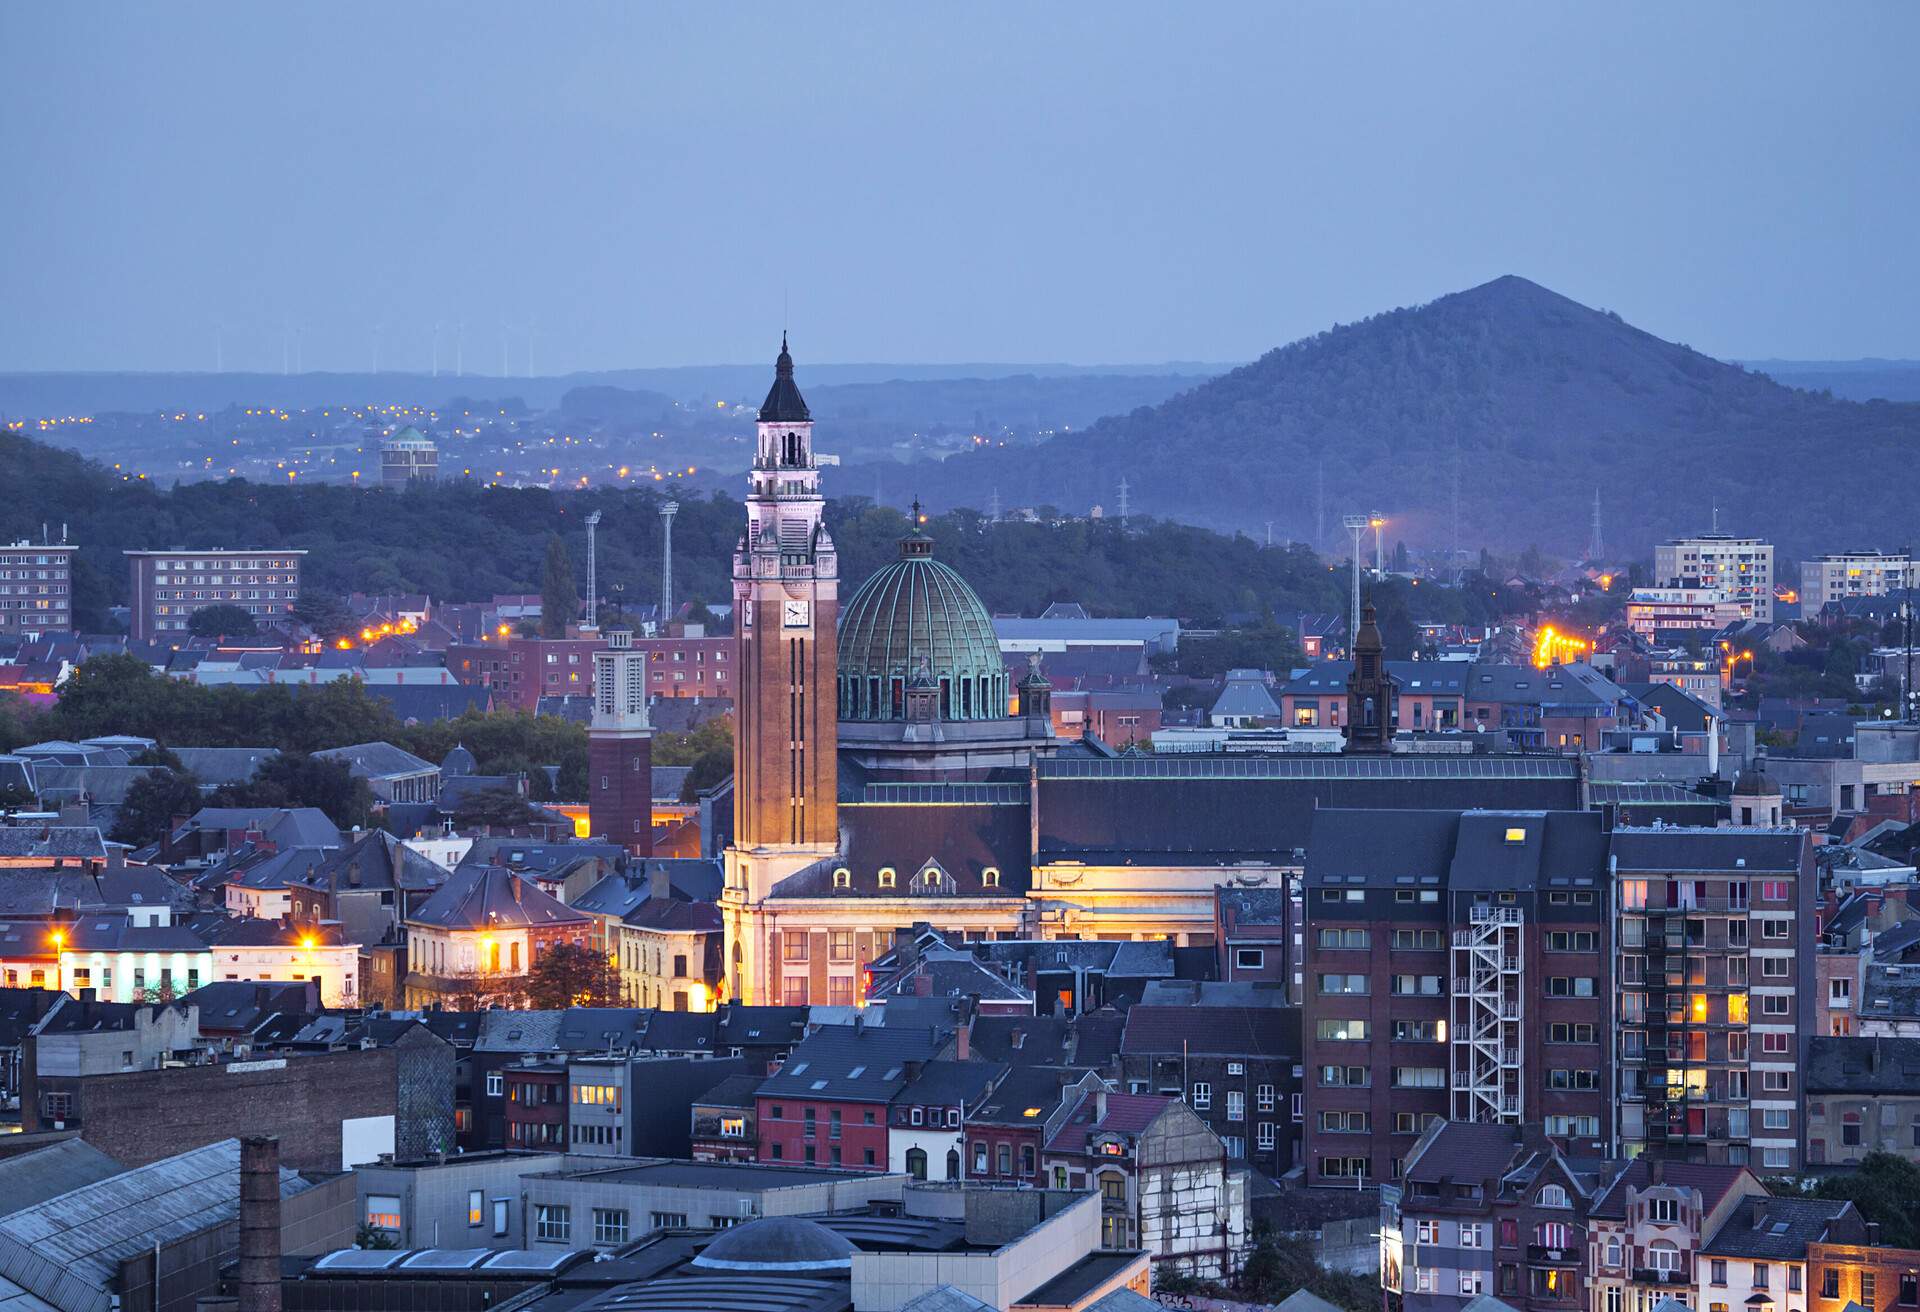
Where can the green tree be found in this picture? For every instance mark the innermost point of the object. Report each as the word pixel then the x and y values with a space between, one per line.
pixel 224 620
pixel 294 779
pixel 1885 1187
pixel 568 975
pixel 493 808
pixel 153 803
pixel 559 598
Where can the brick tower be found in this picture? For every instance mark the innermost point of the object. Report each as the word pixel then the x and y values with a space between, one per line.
pixel 785 752
pixel 620 748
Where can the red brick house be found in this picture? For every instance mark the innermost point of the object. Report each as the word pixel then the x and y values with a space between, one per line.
pixel 1006 1136
pixel 536 1105
pixel 827 1105
pixel 523 670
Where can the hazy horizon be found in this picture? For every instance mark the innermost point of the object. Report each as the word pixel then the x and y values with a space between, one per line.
pixel 655 188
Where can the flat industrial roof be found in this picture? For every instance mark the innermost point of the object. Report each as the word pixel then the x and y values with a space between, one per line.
pixel 1082 1278
pixel 711 1175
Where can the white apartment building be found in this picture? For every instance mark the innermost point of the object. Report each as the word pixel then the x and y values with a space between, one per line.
pixel 1739 569
pixel 1842 574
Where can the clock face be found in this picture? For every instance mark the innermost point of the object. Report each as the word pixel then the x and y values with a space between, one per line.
pixel 793 614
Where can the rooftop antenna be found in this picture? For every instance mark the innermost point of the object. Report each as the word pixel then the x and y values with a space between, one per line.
pixel 666 561
pixel 1357 526
pixel 593 573
pixel 1714 511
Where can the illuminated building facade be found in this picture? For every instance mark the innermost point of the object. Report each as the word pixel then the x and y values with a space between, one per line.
pixel 1842 574
pixel 1714 970
pixel 620 748
pixel 1739 569
pixel 36 588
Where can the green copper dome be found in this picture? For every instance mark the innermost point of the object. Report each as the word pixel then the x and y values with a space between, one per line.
pixel 917 625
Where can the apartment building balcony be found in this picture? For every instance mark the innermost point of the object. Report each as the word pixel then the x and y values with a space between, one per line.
pixel 1678 1278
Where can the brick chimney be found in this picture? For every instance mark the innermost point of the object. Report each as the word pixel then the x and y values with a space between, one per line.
pixel 963 1041
pixel 659 886
pixel 259 1225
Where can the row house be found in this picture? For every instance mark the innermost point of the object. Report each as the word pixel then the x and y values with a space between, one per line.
pixel 1562 707
pixel 1011 1127
pixel 927 1121
pixel 1716 932
pixel 1862 1096
pixel 828 1103
pixel 1238 1068
pixel 1488 1209
pixel 1759 1259
pixel 1455 967
pixel 1162 1177
pixel 1645 1234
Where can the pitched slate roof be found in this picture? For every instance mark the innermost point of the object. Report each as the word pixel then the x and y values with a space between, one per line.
pixel 483 897
pixel 734 1091
pixel 518 1031
pixel 1245 696
pixel 964 839
pixel 1127 1113
pixel 213 766
pixel 60 1168
pixel 1470 1152
pixel 377 760
pixel 951 1083
pixel 1213 1031
pixel 419 703
pixel 1776 1229
pixel 52 842
pixel 1712 1181
pixel 851 1063
pixel 1863 1065
pixel 1040 1088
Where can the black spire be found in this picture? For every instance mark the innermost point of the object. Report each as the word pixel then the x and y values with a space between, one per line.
pixel 784 404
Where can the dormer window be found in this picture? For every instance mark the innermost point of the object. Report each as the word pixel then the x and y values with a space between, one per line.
pixel 990 877
pixel 1552 1195
pixel 886 876
pixel 842 878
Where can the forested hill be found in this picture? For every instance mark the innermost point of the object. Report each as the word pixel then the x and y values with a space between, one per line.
pixel 463 541
pixel 1536 399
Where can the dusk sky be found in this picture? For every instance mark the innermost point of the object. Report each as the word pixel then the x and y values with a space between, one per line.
pixel 1122 183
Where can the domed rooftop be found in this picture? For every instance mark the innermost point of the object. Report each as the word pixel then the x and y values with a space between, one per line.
pixel 458 763
pixel 775 1244
pixel 1754 781
pixel 917 623
pixel 409 439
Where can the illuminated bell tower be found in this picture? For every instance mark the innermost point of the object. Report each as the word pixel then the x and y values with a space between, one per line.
pixel 785 746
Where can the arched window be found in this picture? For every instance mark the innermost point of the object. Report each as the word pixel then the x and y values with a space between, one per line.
pixel 1552 1195
pixel 953 1163
pixel 917 1163
pixel 842 878
pixel 886 876
pixel 990 877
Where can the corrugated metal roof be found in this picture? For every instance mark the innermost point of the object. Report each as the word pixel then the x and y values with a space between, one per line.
pixel 68 1249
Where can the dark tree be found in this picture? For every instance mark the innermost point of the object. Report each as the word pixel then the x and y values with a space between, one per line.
pixel 292 779
pixel 559 598
pixel 567 975
pixel 493 808
pixel 152 805
pixel 324 613
pixel 224 620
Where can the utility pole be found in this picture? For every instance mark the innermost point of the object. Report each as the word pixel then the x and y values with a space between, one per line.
pixel 1357 526
pixel 666 564
pixel 593 574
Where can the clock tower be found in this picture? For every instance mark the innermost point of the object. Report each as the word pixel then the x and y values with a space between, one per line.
pixel 785 745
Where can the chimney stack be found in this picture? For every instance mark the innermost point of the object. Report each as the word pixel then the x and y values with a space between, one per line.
pixel 659 886
pixel 963 1041
pixel 259 1224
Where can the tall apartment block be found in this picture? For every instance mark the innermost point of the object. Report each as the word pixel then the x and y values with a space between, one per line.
pixel 1739 569
pixel 36 588
pixel 1715 964
pixel 168 586
pixel 1456 969
pixel 620 747
pixel 1842 574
